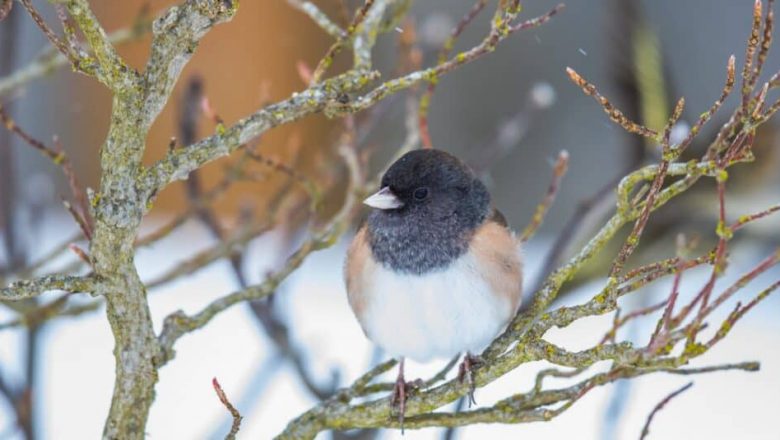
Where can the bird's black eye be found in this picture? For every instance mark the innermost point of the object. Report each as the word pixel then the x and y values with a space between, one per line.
pixel 421 193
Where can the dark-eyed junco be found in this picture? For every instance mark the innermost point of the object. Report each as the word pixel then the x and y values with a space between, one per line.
pixel 434 271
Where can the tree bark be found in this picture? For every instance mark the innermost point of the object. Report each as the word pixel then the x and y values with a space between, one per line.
pixel 118 209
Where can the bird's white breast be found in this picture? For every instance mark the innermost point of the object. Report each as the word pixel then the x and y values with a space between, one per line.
pixel 434 315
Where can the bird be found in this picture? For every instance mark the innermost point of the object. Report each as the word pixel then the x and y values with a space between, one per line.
pixel 434 271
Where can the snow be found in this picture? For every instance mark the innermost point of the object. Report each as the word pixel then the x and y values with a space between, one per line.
pixel 76 365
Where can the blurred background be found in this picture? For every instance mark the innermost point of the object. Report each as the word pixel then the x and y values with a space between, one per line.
pixel 508 114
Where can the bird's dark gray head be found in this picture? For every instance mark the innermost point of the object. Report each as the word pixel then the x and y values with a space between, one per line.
pixel 428 206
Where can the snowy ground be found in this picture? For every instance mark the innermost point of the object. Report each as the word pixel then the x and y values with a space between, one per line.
pixel 76 368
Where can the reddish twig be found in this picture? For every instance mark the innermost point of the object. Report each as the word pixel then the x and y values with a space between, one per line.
pixel 620 321
pixel 748 75
pixel 740 311
pixel 669 155
pixel 81 253
pixel 79 218
pixel 80 212
pixel 68 28
pixel 614 114
pixel 233 411
pixel 659 406
pixel 561 166
pixel 664 324
pixel 10 124
pixel 444 53
pixel 764 265
pixel 649 268
pixel 56 41
pixel 745 219
pixel 706 116
pixel 766 40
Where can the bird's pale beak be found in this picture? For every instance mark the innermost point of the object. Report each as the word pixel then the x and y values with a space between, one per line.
pixel 384 199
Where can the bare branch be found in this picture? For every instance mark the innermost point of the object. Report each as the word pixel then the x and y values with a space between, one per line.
pixel 669 155
pixel 178 164
pixel 176 35
pixel 178 324
pixel 231 409
pixel 50 59
pixel 425 100
pixel 50 34
pixel 318 17
pixel 31 288
pixel 501 29
pixel 559 170
pixel 56 156
pixel 748 75
pixel 113 71
pixel 334 50
pixel 745 219
pixel 614 114
pixel 659 406
pixel 228 246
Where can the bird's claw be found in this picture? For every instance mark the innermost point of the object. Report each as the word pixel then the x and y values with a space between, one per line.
pixel 466 373
pixel 401 392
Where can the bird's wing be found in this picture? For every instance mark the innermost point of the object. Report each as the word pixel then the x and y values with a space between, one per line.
pixel 498 217
pixel 358 269
pixel 497 250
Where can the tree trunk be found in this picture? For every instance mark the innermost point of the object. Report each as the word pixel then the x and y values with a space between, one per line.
pixel 118 209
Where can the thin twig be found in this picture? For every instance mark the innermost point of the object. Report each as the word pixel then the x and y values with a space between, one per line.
pixel 231 409
pixel 49 33
pixel 334 49
pixel 559 170
pixel 56 156
pixel 659 406
pixel 318 17
pixel 444 52
pixel 614 114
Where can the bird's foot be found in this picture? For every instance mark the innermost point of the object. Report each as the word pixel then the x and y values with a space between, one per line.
pixel 401 392
pixel 466 373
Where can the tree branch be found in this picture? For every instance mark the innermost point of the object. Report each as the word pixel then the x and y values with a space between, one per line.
pixel 113 71
pixel 31 288
pixel 318 17
pixel 175 37
pixel 50 59
pixel 179 163
pixel 659 406
pixel 231 409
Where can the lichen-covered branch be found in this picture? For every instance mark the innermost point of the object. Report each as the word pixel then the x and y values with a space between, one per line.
pixel 50 59
pixel 179 163
pixel 318 17
pixel 31 288
pixel 175 37
pixel 502 27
